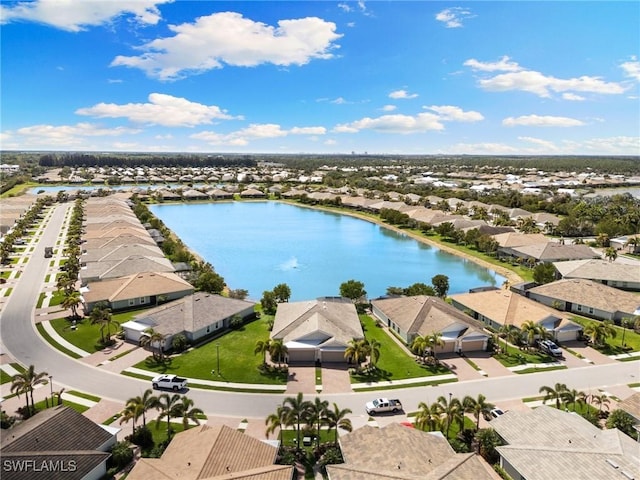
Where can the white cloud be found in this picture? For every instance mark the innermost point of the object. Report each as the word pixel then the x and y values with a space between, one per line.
pixel 503 65
pixel 76 15
pixel 162 109
pixel 339 101
pixel 545 144
pixel 455 114
pixel 541 121
pixel 66 135
pixel 330 141
pixel 388 108
pixel 402 94
pixel 454 16
pixel 345 7
pixel 632 68
pixel 573 97
pixel 621 145
pixel 394 124
pixel 228 38
pixel 487 148
pixel 254 132
pixel 542 85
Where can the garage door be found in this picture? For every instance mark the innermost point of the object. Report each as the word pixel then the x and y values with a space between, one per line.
pixel 299 355
pixel 473 346
pixel 449 346
pixel 332 356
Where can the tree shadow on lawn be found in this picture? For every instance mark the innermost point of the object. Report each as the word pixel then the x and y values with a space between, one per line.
pixel 162 366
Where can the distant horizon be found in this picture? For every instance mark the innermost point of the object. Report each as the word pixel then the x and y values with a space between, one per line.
pixel 321 77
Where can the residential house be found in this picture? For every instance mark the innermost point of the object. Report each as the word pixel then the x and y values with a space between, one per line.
pixel 135 291
pixel 403 453
pixel 252 193
pixel 213 453
pixel 614 274
pixel 119 252
pixel 112 242
pixel 496 308
pixel 195 316
pixel 317 330
pixel 544 443
pixel 108 269
pixel 422 315
pixel 551 252
pixel 631 405
pixel 584 297
pixel 60 444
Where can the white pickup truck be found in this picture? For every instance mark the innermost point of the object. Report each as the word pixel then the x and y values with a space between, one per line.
pixel 171 382
pixel 383 405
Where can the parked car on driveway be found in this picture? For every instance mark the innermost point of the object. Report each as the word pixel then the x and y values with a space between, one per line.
pixel 548 346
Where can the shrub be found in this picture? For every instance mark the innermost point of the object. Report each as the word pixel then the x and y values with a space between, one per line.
pixel 179 343
pixel 142 437
pixel 121 455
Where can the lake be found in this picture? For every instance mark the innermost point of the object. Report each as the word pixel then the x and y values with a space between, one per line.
pixel 257 245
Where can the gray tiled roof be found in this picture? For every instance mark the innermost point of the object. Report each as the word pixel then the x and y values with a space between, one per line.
pixel 598 269
pixel 552 251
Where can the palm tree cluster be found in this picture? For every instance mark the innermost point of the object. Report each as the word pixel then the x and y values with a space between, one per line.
pixel 67 280
pixel 446 412
pixel 275 347
pixel 598 332
pixel 359 350
pixel 169 406
pixel 24 383
pixel 101 315
pixel 311 416
pixel 426 346
pixel 154 340
pixel 566 397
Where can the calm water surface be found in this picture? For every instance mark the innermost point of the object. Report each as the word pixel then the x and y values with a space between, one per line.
pixel 257 245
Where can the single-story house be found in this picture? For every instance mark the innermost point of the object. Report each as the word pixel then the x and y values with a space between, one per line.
pixel 515 239
pixel 60 437
pixel 213 452
pixel 135 291
pixel 545 442
pixel 119 252
pixel 106 270
pixel 584 297
pixel 317 330
pixel 112 242
pixel 423 315
pixel 551 252
pixel 403 453
pixel 195 316
pixel 614 274
pixel 496 308
pixel 628 242
pixel 252 193
pixel 631 405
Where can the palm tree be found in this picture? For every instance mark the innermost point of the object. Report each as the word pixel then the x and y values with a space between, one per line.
pixel 276 420
pixel 71 301
pixel 553 393
pixel 143 404
pixel 316 416
pixel 610 254
pixel 277 349
pixel 601 400
pixel 374 351
pixel 296 409
pixel 429 417
pixel 531 330
pixel 101 315
pixel 262 347
pixel 510 334
pixel 453 412
pixel 65 283
pixel 357 350
pixel 420 345
pixel 167 405
pixel 132 411
pixel 633 242
pixel 25 382
pixel 600 331
pixel 188 411
pixel 573 396
pixel 477 406
pixel 154 339
pixel 337 418
pixel 435 341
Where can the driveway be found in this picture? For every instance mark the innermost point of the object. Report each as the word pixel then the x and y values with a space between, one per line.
pixel 460 367
pixel 591 355
pixel 302 378
pixel 489 365
pixel 335 379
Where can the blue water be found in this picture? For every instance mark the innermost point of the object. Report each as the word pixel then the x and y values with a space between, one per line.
pixel 257 245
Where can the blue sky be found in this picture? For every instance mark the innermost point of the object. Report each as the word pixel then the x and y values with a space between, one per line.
pixel 544 77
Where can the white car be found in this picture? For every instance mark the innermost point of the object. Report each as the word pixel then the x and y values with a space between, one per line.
pixel 551 348
pixel 496 412
pixel 170 382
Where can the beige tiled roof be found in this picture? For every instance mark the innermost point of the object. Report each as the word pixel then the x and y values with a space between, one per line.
pixel 118 252
pixel 399 452
pixel 126 266
pixel 515 239
pixel 599 269
pixel 114 232
pixel 553 251
pixel 334 318
pixel 631 405
pixel 136 286
pixel 208 453
pixel 505 307
pixel 591 294
pixel 123 239
pixel 546 443
pixel 423 315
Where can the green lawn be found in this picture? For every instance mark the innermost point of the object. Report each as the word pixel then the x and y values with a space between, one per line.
pixel 159 432
pixel 76 406
pixel 289 437
pixel 238 364
pixel 4 377
pixel 87 396
pixel 394 363
pixel 515 356
pixel 47 338
pixel 614 345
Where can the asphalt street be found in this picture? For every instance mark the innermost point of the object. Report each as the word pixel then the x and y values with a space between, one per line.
pixel 21 340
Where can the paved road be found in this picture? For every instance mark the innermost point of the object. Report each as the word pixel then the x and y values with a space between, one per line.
pixel 21 340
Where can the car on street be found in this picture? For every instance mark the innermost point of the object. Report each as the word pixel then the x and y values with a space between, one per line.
pixel 169 382
pixel 383 405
